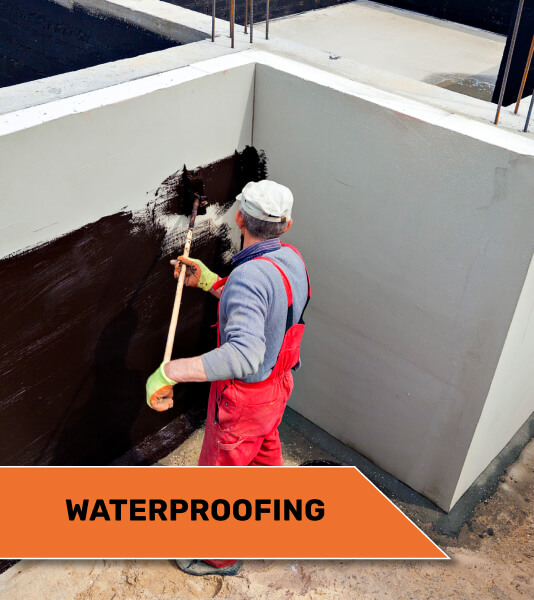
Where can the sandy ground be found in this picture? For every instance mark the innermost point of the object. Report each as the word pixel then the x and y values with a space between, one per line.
pixel 493 558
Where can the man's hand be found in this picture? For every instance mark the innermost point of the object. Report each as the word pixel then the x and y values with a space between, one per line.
pixel 196 275
pixel 159 390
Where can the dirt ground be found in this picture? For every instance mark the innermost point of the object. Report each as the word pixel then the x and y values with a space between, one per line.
pixel 493 558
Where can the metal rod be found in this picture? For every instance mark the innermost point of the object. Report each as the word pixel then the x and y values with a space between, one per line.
pixel 267 21
pixel 525 75
pixel 529 112
pixel 232 22
pixel 509 60
pixel 251 21
pixel 213 21
pixel 246 16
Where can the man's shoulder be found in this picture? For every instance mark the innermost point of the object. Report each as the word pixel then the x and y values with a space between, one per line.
pixel 262 270
pixel 254 265
pixel 253 272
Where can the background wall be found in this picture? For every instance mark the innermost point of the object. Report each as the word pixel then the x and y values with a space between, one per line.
pixel 509 401
pixel 418 240
pixel 519 56
pixel 91 219
pixel 278 8
pixel 493 15
pixel 40 38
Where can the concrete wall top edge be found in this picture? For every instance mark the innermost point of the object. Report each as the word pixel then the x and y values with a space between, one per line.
pixel 38 115
pixel 166 23
pixel 483 131
pixel 57 87
pixel 472 127
pixel 159 17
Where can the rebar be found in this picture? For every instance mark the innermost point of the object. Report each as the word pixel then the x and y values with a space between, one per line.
pixel 509 60
pixel 267 21
pixel 232 22
pixel 246 16
pixel 251 21
pixel 213 21
pixel 525 75
pixel 529 112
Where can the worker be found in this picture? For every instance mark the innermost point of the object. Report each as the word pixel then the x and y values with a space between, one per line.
pixel 259 331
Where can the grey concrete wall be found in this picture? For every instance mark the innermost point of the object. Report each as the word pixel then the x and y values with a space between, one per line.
pixel 416 226
pixel 92 212
pixel 73 161
pixel 418 238
pixel 510 399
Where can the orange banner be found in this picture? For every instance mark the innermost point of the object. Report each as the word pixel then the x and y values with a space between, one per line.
pixel 202 512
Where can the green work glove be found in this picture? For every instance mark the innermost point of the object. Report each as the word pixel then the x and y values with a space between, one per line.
pixel 159 390
pixel 197 274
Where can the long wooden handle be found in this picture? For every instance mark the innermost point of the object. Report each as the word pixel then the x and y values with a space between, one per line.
pixel 180 287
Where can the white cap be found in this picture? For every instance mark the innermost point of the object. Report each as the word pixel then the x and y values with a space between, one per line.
pixel 267 201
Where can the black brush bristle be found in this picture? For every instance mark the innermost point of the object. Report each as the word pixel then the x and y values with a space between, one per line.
pixel 188 188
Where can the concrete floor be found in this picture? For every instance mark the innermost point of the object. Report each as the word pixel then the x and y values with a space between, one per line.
pixel 454 56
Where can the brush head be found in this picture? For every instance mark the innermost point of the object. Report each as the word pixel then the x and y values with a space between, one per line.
pixel 188 188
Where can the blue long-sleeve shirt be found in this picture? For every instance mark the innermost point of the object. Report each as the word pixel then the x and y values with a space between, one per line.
pixel 253 312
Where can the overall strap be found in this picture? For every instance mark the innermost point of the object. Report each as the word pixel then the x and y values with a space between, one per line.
pixel 301 320
pixel 300 255
pixel 289 293
pixel 218 284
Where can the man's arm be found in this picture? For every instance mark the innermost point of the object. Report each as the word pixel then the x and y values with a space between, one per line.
pixel 245 305
pixel 159 386
pixel 183 370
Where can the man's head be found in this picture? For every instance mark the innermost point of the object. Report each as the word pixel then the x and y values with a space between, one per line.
pixel 265 210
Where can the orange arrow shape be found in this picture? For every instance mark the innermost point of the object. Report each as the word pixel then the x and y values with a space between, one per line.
pixel 199 512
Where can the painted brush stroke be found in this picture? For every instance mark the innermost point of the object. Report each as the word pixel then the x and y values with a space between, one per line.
pixel 84 322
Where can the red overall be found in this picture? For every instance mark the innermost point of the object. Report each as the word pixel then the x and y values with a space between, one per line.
pixel 243 418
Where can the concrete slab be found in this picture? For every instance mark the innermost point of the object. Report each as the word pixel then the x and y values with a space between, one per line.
pixel 160 17
pixel 43 91
pixel 443 53
pixel 185 26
